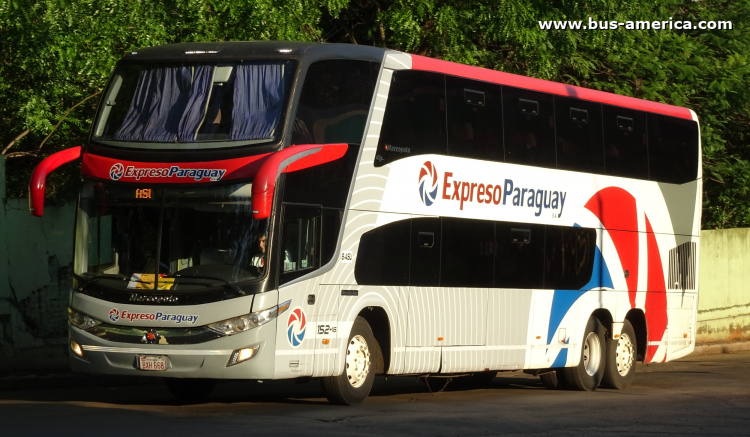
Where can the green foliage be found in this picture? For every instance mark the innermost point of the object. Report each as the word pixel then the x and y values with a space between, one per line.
pixel 57 52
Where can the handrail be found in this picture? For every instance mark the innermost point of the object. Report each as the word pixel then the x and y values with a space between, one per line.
pixel 291 159
pixel 39 177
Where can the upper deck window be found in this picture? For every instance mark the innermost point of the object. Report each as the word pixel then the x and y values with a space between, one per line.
pixel 334 102
pixel 224 105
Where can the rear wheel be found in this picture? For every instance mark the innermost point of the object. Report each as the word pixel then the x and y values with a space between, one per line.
pixel 355 383
pixel 190 390
pixel 589 372
pixel 621 357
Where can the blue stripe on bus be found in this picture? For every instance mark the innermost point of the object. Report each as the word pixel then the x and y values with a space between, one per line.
pixel 563 300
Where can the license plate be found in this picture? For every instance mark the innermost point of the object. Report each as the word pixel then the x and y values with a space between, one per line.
pixel 152 362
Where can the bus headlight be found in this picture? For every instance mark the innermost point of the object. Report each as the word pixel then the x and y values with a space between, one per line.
pixel 81 321
pixel 250 321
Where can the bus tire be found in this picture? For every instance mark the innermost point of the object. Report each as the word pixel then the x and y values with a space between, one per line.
pixel 355 382
pixel 554 380
pixel 190 390
pixel 587 375
pixel 621 356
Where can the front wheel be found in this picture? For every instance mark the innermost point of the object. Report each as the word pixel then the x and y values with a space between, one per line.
pixel 621 356
pixel 589 372
pixel 355 383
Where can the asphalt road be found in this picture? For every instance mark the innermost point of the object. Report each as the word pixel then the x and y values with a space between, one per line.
pixel 703 395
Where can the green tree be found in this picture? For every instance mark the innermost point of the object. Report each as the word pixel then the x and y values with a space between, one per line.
pixel 58 52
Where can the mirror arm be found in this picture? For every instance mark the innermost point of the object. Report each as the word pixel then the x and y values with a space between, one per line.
pixel 291 159
pixel 39 177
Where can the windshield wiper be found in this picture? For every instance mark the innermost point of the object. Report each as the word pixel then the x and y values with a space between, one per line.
pixel 210 278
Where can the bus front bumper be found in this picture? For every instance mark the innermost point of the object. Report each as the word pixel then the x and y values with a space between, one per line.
pixel 203 360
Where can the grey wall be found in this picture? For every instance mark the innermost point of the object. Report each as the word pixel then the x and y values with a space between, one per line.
pixel 35 277
pixel 724 276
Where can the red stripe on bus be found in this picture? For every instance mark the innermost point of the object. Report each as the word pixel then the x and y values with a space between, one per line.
pixel 560 89
pixel 656 296
pixel 616 209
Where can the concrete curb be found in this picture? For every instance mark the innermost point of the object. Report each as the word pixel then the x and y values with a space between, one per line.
pixel 721 348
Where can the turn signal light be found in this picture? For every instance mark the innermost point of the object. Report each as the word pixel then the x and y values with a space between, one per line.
pixel 76 348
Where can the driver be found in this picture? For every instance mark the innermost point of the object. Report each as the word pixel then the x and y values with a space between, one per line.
pixel 259 260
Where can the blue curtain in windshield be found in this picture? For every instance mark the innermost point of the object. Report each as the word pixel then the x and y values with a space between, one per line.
pixel 158 112
pixel 258 98
pixel 193 117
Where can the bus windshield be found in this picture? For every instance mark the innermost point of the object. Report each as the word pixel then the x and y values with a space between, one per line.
pixel 214 104
pixel 190 239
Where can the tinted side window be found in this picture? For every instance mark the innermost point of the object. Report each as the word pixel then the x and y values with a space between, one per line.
pixel 579 135
pixel 520 255
pixel 414 120
pixel 334 102
pixel 383 255
pixel 625 151
pixel 326 184
pixel 425 252
pixel 300 241
pixel 672 149
pixel 468 253
pixel 529 125
pixel 568 257
pixel 475 112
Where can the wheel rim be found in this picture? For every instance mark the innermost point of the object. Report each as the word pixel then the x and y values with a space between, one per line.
pixel 592 353
pixel 357 361
pixel 624 354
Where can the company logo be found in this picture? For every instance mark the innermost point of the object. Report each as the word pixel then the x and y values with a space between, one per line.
pixel 130 316
pixel 428 183
pixel 114 315
pixel 197 174
pixel 116 171
pixel 295 327
pixel 507 193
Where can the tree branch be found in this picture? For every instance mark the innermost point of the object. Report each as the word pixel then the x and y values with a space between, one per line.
pixel 17 154
pixel 23 134
pixel 64 116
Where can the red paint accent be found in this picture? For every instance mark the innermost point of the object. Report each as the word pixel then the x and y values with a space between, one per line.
pixel 514 80
pixel 238 168
pixel 656 296
pixel 291 159
pixel 616 209
pixel 39 177
pixel 265 169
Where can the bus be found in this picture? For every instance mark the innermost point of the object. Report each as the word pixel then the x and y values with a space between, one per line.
pixel 278 210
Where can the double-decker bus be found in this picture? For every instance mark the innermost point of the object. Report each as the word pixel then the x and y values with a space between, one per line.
pixel 271 210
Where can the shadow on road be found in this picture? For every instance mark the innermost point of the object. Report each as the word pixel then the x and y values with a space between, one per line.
pixel 291 392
